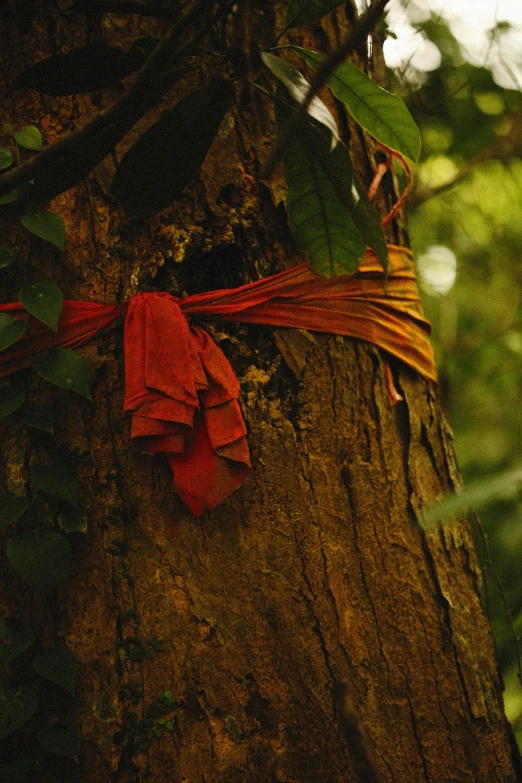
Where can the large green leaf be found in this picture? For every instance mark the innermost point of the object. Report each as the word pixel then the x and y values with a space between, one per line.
pixel 59 666
pixel 169 155
pixel 65 368
pixel 58 478
pixel 16 636
pixel 503 486
pixel 46 225
pixel 306 11
pixel 39 417
pixel 9 197
pixel 321 222
pixel 16 707
pixel 6 158
pixel 30 138
pixel 383 115
pixel 62 738
pixel 42 558
pixel 85 69
pixel 7 256
pixel 43 300
pixel 11 329
pixel 298 87
pixel 10 401
pixel 11 508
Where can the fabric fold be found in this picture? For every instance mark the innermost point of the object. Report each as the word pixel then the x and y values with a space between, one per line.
pixel 183 396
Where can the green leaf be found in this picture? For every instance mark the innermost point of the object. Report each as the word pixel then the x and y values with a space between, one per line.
pixel 85 69
pixel 57 478
pixel 6 158
pixel 321 222
pixel 503 486
pixel 11 508
pixel 74 520
pixel 306 11
pixel 298 87
pixel 7 256
pixel 48 226
pixel 10 401
pixel 383 115
pixel 59 666
pixel 169 155
pixel 63 738
pixel 9 197
pixel 16 707
pixel 44 301
pixel 15 771
pixel 29 138
pixel 11 329
pixel 42 558
pixel 39 417
pixel 369 224
pixel 66 368
pixel 16 636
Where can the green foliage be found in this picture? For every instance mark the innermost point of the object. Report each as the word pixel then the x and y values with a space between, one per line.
pixel 6 158
pixel 320 221
pixel 11 508
pixel 39 417
pixel 9 197
pixel 298 87
pixel 168 156
pixel 42 558
pixel 10 401
pixel 17 705
pixel 11 329
pixel 62 738
pixel 44 301
pixel 59 666
pixel 85 69
pixel 16 636
pixel 383 115
pixel 30 138
pixel 7 257
pixel 48 226
pixel 57 478
pixel 301 12
pixel 66 368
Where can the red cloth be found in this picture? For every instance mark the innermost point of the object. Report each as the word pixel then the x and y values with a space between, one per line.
pixel 179 386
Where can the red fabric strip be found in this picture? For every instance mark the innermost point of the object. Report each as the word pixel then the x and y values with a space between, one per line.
pixel 179 386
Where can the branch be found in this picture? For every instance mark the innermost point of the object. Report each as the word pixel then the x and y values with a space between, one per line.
pixel 359 33
pixel 421 196
pixel 121 7
pixel 120 117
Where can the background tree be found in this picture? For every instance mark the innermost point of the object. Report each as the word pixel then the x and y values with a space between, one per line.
pixel 307 628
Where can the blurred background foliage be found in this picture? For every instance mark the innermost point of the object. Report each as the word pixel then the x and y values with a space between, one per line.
pixel 458 65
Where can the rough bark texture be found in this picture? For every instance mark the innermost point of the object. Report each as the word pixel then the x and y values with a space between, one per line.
pixel 312 633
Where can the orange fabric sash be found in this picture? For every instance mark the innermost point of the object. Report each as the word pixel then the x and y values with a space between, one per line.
pixel 180 387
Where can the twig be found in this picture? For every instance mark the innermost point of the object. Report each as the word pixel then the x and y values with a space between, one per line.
pixel 132 105
pixel 358 34
pixel 121 7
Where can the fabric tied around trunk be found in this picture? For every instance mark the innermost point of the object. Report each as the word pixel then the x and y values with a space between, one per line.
pixel 179 386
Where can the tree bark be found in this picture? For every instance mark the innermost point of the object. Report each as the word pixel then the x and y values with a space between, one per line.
pixel 308 629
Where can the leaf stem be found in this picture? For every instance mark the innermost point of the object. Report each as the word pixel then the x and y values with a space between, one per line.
pixel 358 34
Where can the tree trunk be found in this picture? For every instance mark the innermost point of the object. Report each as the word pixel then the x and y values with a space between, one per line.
pixel 307 629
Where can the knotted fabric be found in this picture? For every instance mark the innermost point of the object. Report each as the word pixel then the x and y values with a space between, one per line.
pixel 181 389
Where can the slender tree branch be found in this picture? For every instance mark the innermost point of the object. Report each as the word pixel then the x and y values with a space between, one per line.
pixel 146 90
pixel 359 33
pixel 92 7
